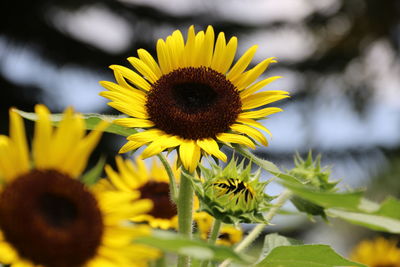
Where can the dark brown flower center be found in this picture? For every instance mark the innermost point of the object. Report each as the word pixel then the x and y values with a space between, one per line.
pixel 51 219
pixel 193 103
pixel 158 192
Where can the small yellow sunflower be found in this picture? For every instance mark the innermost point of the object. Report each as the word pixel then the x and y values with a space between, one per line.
pixel 377 253
pixel 48 217
pixel 229 235
pixel 192 98
pixel 152 184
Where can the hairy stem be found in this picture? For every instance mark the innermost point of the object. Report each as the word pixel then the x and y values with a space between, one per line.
pixel 185 214
pixel 173 189
pixel 213 237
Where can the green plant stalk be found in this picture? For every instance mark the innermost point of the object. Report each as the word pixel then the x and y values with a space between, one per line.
pixel 213 237
pixel 185 214
pixel 173 188
pixel 161 262
pixel 257 230
pixel 214 231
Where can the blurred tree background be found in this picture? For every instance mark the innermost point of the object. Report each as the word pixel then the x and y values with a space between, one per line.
pixel 339 59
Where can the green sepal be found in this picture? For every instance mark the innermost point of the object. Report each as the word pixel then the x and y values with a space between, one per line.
pixel 93 175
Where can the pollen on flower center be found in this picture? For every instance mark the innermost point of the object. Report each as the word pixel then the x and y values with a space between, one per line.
pixel 51 219
pixel 193 103
pixel 158 192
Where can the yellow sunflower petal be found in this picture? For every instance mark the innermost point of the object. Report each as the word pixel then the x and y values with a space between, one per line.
pixel 178 47
pixel 254 123
pixel 189 47
pixel 260 99
pixel 65 138
pixel 132 76
pixel 198 49
pixel 219 53
pixel 175 47
pixel 257 86
pixel 127 173
pixel 7 253
pixel 131 92
pixel 247 78
pixel 210 146
pixel 130 145
pixel 115 179
pixel 43 133
pixel 77 160
pixel 163 57
pixel 138 112
pixel 253 133
pixel 8 167
pixel 134 122
pixel 229 55
pixel 149 60
pixel 146 136
pixel 130 99
pixel 236 138
pixel 259 113
pixel 17 135
pixel 208 47
pixel 189 153
pixel 144 69
pixel 242 63
pixel 23 263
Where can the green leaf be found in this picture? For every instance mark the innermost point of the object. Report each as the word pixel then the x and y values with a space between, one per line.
pixel 385 218
pixel 93 175
pixel 91 121
pixel 172 242
pixel 346 200
pixel 274 240
pixel 375 222
pixel 305 256
pixel 352 207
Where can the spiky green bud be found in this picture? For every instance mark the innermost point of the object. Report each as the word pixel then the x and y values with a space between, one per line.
pixel 233 194
pixel 309 171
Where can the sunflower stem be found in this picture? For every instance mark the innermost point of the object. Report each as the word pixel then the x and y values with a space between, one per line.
pixel 213 237
pixel 257 230
pixel 185 213
pixel 173 189
pixel 161 262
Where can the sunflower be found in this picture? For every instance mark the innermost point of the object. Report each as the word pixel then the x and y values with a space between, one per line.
pixel 48 217
pixel 152 184
pixel 192 98
pixel 377 253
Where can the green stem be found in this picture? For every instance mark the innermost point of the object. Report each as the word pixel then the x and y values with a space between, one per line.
pixel 173 189
pixel 213 237
pixel 283 197
pixel 161 262
pixel 214 231
pixel 185 214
